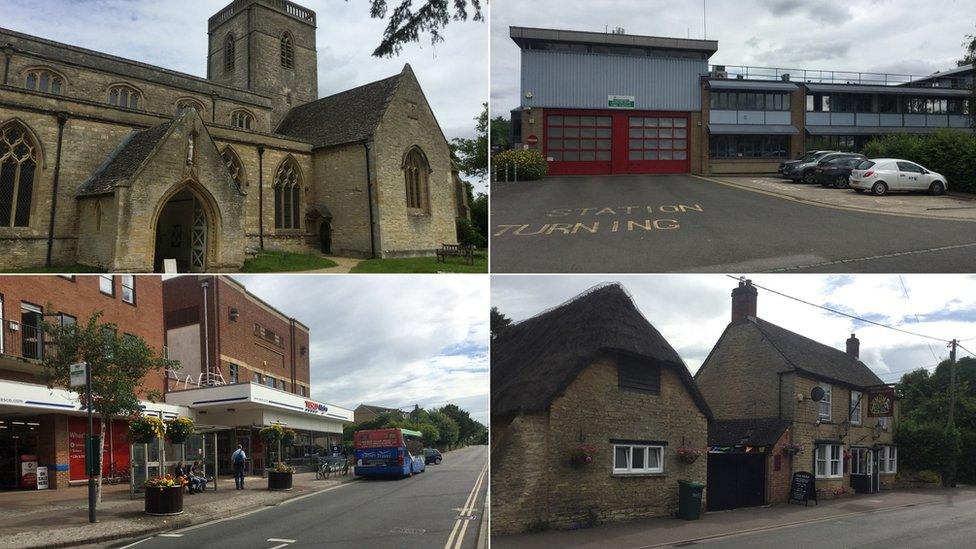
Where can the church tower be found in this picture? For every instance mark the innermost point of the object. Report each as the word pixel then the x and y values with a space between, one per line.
pixel 268 47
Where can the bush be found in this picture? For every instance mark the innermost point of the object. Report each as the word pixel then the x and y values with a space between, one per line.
pixel 521 165
pixel 949 152
pixel 967 465
pixel 468 234
pixel 928 476
pixel 926 446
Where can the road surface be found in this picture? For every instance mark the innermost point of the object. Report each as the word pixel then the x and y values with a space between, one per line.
pixel 418 512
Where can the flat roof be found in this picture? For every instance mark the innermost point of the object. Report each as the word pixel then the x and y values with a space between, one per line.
pixel 522 34
pixel 736 84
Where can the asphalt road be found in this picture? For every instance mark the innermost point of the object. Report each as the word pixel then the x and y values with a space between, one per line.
pixel 950 524
pixel 675 223
pixel 421 512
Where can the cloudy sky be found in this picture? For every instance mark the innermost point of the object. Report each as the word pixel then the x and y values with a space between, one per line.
pixel 896 36
pixel 691 311
pixel 390 340
pixel 173 34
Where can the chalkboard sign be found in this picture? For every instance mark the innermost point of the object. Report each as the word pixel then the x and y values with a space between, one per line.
pixel 803 488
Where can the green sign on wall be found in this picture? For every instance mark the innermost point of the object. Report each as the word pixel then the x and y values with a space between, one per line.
pixel 621 101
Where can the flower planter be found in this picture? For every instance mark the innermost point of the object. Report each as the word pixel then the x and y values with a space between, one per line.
pixel 164 502
pixel 279 481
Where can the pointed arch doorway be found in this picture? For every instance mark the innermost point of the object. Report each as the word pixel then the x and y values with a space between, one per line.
pixel 183 233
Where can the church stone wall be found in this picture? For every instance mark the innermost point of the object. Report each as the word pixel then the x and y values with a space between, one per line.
pixel 340 176
pixel 409 122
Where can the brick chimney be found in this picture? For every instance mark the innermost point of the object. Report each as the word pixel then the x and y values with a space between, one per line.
pixel 854 346
pixel 744 300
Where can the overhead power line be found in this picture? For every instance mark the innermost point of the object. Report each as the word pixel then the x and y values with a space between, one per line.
pixel 904 289
pixel 841 313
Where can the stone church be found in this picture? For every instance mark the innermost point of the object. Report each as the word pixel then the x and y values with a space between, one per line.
pixel 121 165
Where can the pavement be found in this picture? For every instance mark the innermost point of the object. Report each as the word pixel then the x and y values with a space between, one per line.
pixel 343 264
pixel 441 507
pixel 895 518
pixel 685 223
pixel 59 518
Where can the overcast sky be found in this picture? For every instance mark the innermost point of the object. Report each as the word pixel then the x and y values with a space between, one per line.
pixel 173 35
pixel 896 36
pixel 692 311
pixel 390 340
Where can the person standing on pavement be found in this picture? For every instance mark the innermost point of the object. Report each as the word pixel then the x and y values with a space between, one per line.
pixel 238 458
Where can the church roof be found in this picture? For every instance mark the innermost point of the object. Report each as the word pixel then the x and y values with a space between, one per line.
pixel 346 117
pixel 125 160
pixel 534 361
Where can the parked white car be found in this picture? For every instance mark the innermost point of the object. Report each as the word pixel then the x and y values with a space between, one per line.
pixel 883 175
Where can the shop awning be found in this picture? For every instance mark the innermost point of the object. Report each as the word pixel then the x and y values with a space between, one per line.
pixel 752 129
pixel 757 85
pixel 893 90
pixel 31 398
pixel 870 130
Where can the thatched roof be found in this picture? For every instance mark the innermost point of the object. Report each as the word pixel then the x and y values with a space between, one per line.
pixel 533 361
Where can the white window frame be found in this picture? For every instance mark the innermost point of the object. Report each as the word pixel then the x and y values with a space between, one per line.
pixel 646 449
pixel 102 279
pixel 826 400
pixel 859 455
pixel 823 453
pixel 857 397
pixel 884 422
pixel 889 460
pixel 129 284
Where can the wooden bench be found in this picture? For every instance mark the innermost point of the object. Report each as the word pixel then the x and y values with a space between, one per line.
pixel 463 251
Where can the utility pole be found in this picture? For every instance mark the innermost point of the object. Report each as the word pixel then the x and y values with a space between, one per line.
pixel 91 446
pixel 952 382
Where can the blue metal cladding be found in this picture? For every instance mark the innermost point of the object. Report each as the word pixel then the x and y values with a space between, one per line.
pixel 585 80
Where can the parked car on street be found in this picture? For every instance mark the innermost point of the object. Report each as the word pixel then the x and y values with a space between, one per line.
pixel 883 175
pixel 808 156
pixel 432 455
pixel 835 171
pixel 806 171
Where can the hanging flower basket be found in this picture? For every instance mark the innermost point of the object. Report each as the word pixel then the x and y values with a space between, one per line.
pixel 582 455
pixel 179 429
pixel 288 436
pixel 164 496
pixel 689 455
pixel 272 434
pixel 792 449
pixel 146 429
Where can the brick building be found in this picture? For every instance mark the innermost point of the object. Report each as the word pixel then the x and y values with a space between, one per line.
pixel 49 423
pixel 369 412
pixel 245 364
pixel 591 372
pixel 775 386
pixel 117 164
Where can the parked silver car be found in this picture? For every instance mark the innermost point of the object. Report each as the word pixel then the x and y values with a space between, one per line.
pixel 882 175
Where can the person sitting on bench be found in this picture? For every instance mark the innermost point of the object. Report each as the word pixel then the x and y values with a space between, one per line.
pixel 198 482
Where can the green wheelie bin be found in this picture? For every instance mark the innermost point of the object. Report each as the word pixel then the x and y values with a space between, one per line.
pixel 689 499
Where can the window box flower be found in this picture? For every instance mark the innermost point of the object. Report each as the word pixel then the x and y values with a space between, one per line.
pixel 792 449
pixel 689 455
pixel 582 455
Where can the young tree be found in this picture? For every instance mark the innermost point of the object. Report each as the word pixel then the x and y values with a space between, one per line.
pixel 471 155
pixel 406 23
pixel 449 431
pixel 498 322
pixel 501 131
pixel 118 364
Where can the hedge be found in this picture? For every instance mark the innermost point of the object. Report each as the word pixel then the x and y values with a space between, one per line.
pixel 520 165
pixel 949 152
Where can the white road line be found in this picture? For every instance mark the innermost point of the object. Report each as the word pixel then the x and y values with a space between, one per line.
pixel 461 524
pixel 280 546
pixel 169 535
pixel 464 527
pixel 279 540
pixel 135 543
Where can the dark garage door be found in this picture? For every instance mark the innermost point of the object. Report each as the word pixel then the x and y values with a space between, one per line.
pixel 594 142
pixel 736 480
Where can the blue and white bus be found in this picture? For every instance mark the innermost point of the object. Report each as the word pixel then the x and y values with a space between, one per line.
pixel 389 453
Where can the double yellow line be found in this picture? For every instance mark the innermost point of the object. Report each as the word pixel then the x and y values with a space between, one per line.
pixel 456 538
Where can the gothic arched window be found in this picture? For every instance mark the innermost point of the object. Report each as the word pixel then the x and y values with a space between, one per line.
pixel 230 53
pixel 415 172
pixel 18 170
pixel 288 194
pixel 186 103
pixel 287 51
pixel 235 167
pixel 44 81
pixel 242 119
pixel 124 96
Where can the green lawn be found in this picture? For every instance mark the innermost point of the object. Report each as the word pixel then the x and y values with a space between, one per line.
pixel 63 269
pixel 423 265
pixel 283 262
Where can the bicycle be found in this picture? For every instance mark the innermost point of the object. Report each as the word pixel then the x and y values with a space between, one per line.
pixel 332 466
pixel 117 476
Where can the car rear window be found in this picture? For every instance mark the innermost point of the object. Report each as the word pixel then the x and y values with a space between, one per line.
pixel 865 165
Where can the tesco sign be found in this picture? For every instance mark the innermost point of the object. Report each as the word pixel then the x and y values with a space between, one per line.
pixel 315 407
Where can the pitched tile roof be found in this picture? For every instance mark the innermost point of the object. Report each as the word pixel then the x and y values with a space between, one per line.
pixel 813 357
pixel 125 160
pixel 533 361
pixel 346 117
pixel 747 432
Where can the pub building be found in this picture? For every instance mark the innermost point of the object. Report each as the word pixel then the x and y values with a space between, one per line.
pixel 784 403
pixel 592 410
pixel 43 430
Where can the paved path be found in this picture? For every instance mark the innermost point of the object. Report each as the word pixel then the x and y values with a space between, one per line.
pixel 833 523
pixel 420 512
pixel 682 223
pixel 343 265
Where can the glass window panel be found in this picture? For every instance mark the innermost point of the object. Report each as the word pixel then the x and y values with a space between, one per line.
pixel 680 122
pixel 665 132
pixel 603 121
pixel 571 143
pixel 555 132
pixel 650 133
pixel 603 155
pixel 666 122
pixel 654 458
pixel 570 155
pixel 31 81
pixel 635 143
pixel 555 143
pixel 636 133
pixel 45 80
pixel 635 122
pixel 650 122
pixel 680 144
pixel 588 132
pixel 664 144
pixel 637 457
pixel 680 155
pixel 572 121
pixel 682 133
pixel 650 143
pixel 587 155
pixel 571 132
pixel 603 132
pixel 556 155
pixel 620 457
pixel 555 120
pixel 603 144
pixel 588 144
pixel 665 155
pixel 650 155
pixel 635 155
pixel 587 121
